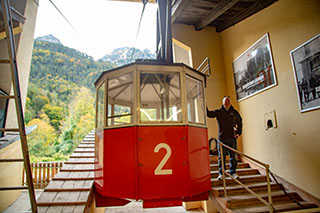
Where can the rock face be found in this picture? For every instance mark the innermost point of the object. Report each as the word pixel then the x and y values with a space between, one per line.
pixel 49 38
pixel 126 55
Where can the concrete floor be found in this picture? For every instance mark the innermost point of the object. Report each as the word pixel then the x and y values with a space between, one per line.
pixel 22 204
pixel 136 207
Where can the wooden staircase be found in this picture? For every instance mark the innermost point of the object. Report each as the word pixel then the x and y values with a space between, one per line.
pixel 240 200
pixel 71 189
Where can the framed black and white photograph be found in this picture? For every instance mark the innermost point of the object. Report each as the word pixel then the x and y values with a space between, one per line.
pixel 306 67
pixel 254 70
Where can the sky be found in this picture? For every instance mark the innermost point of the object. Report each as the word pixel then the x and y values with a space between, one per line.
pixel 98 26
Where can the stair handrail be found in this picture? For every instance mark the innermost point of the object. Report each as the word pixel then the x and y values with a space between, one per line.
pixel 268 204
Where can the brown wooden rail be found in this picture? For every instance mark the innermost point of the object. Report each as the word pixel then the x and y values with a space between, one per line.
pixel 42 173
pixel 224 173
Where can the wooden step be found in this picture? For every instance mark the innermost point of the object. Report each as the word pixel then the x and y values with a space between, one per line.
pixel 86 146
pixel 237 189
pixel 79 162
pixel 61 203
pixel 279 207
pixel 240 171
pixel 214 158
pixel 246 200
pixel 83 151
pixel 245 179
pixel 66 190
pixel 240 165
pixel 82 155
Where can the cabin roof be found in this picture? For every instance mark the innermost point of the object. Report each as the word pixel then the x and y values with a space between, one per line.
pixel 147 62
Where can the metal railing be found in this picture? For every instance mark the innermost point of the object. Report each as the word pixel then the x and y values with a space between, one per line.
pixel 204 67
pixel 266 166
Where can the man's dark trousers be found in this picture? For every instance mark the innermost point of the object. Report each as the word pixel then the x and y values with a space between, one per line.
pixel 233 157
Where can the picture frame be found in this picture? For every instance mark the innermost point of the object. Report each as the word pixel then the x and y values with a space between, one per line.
pixel 253 70
pixel 306 68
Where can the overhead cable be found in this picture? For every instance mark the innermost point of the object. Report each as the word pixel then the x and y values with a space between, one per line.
pixel 144 2
pixel 63 16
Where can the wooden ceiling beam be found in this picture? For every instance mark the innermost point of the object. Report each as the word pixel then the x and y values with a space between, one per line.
pixel 176 9
pixel 16 16
pixel 254 8
pixel 16 31
pixel 221 8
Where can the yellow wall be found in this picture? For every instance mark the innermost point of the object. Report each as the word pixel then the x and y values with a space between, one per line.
pixel 24 47
pixel 206 43
pixel 11 174
pixel 292 149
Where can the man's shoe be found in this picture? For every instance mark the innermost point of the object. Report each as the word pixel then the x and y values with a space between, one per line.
pixel 235 176
pixel 220 177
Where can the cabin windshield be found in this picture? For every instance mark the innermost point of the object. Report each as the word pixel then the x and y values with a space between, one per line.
pixel 160 97
pixel 120 100
pixel 195 100
pixel 100 106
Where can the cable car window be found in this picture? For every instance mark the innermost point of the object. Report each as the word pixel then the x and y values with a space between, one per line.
pixel 120 100
pixel 100 106
pixel 160 97
pixel 195 100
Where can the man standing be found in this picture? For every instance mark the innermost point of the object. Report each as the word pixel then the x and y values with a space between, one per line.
pixel 230 128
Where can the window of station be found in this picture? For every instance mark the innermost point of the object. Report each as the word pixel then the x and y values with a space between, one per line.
pixel 181 53
pixel 160 97
pixel 120 100
pixel 195 100
pixel 100 106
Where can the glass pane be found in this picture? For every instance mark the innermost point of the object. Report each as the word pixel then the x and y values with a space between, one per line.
pixel 195 100
pixel 120 100
pixel 160 97
pixel 100 103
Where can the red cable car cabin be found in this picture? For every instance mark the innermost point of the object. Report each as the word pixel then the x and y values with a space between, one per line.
pixel 151 135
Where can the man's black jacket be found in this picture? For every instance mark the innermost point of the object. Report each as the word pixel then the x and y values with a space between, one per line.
pixel 230 122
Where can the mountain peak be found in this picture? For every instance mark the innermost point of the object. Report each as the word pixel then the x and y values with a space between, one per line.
pixel 126 55
pixel 49 38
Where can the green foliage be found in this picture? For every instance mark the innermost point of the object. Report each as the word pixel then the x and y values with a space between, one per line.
pixel 66 146
pixel 55 114
pixel 38 102
pixel 79 122
pixel 54 63
pixel 40 140
pixel 60 99
pixel 55 157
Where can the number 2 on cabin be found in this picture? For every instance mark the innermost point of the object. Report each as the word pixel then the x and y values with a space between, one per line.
pixel 159 170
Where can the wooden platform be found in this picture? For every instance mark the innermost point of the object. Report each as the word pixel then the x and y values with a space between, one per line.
pixel 71 189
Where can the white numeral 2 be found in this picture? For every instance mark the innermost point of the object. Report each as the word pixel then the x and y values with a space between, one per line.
pixel 159 170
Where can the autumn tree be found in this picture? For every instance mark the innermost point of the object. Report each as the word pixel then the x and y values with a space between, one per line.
pixel 80 121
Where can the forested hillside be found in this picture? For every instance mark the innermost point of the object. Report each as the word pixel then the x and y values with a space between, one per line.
pixel 60 99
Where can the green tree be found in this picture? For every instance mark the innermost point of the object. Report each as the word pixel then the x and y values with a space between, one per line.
pixel 79 122
pixel 38 102
pixel 55 114
pixel 41 140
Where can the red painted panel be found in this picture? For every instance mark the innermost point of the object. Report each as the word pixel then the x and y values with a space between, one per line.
pixel 199 160
pixel 120 163
pixel 98 166
pixel 103 201
pixel 158 186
